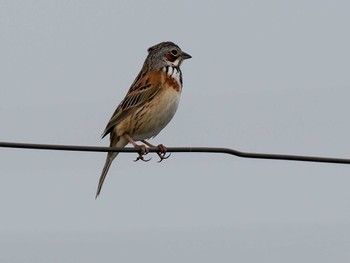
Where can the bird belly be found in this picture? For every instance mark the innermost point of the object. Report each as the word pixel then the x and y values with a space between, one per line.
pixel 155 115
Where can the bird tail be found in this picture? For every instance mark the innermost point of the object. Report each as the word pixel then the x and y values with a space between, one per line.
pixel 109 160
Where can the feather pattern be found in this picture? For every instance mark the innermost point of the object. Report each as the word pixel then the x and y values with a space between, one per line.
pixel 149 105
pixel 142 92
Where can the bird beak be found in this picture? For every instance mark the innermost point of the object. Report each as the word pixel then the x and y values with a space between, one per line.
pixel 185 55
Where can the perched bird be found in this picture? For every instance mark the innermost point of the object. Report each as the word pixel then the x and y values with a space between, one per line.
pixel 149 105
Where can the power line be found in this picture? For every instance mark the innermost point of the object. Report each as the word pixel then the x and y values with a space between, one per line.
pixel 178 150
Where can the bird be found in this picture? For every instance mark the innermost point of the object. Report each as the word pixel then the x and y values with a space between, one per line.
pixel 149 104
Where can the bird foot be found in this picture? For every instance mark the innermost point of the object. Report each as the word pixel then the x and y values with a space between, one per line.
pixel 143 150
pixel 162 153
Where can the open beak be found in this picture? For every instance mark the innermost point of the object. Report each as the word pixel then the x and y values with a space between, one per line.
pixel 185 55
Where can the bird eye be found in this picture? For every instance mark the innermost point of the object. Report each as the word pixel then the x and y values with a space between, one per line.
pixel 174 52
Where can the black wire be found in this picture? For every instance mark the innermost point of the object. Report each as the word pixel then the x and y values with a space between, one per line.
pixel 176 149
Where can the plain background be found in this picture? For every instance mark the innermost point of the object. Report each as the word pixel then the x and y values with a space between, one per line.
pixel 266 76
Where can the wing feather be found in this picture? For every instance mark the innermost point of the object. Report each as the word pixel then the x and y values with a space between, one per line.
pixel 142 91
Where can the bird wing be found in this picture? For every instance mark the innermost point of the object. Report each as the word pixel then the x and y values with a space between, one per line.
pixel 144 89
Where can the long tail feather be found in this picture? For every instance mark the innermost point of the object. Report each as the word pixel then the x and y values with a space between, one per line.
pixel 109 160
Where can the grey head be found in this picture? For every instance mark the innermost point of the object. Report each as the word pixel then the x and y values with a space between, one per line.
pixel 165 54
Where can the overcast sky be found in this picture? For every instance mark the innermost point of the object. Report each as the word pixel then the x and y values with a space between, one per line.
pixel 266 76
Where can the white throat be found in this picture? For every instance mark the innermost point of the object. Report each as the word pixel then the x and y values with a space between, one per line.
pixel 173 72
pixel 176 63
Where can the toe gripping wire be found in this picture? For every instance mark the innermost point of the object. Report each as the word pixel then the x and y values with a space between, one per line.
pixel 143 150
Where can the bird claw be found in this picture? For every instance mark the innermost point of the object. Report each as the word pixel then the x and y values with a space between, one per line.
pixel 140 157
pixel 163 157
pixel 143 151
pixel 162 153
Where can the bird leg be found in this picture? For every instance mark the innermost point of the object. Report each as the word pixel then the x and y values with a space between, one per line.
pixel 143 150
pixel 162 150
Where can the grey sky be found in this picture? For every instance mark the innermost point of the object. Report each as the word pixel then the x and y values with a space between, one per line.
pixel 266 76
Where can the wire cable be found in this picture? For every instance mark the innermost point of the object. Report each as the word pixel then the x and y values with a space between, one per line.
pixel 79 148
